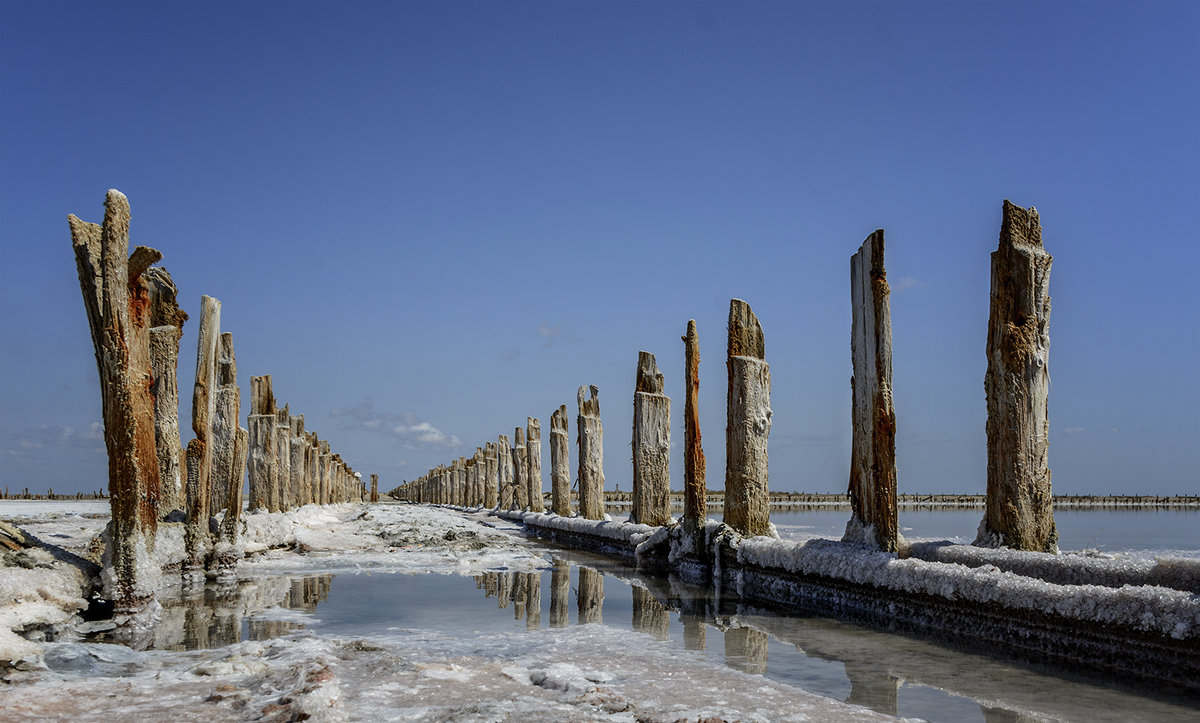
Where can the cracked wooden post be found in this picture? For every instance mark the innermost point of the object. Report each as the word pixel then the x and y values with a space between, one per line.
pixel 533 450
pixel 1020 510
pixel 230 442
pixel 374 489
pixel 296 452
pixel 166 328
pixel 281 496
pixel 590 437
pixel 651 446
pixel 748 424
pixel 260 425
pixel 520 457
pixel 480 471
pixel 504 460
pixel 115 298
pixel 312 475
pixel 873 447
pixel 491 479
pixel 325 472
pixel 459 482
pixel 560 464
pixel 695 510
pixel 200 450
pixel 229 548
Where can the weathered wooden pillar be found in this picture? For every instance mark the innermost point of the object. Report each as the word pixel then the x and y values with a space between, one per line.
pixel 296 445
pixel 873 445
pixel 504 460
pixel 166 328
pixel 591 596
pixel 281 496
pixel 460 482
pixel 651 446
pixel 200 450
pixel 229 549
pixel 261 424
pixel 695 510
pixel 115 297
pixel 480 470
pixel 560 464
pixel 748 424
pixel 533 451
pixel 374 489
pixel 491 479
pixel 591 455
pixel 1020 510
pixel 226 413
pixel 520 456
pixel 324 472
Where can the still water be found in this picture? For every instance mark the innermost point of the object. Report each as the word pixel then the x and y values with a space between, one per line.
pixel 896 674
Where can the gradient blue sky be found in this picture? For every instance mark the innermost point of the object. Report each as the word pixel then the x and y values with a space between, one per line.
pixel 430 220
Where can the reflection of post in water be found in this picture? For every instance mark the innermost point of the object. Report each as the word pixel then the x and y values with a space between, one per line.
pixel 560 592
pixel 503 589
pixel 693 632
pixel 490 584
pixel 873 687
pixel 196 620
pixel 649 616
pixel 533 600
pixel 518 593
pixel 227 622
pixel 746 650
pixel 591 596
pixel 1003 715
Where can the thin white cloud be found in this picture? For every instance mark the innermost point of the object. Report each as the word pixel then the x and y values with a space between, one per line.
pixel 1074 430
pixel 904 283
pixel 406 428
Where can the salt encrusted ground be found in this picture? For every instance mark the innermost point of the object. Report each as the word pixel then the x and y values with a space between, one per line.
pixel 588 672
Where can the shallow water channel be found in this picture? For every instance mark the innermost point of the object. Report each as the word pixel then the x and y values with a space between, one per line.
pixel 890 673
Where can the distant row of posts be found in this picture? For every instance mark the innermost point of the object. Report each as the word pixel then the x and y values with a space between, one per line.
pixel 1019 511
pixel 136 325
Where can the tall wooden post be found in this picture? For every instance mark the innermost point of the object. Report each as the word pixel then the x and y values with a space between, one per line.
pixel 260 425
pixel 591 455
pixel 325 473
pixel 873 446
pixel 116 297
pixel 1020 511
pixel 226 413
pixel 281 497
pixel 651 446
pixel 504 460
pixel 200 450
pixel 533 450
pixel 296 445
pixel 166 328
pixel 520 457
pixel 491 479
pixel 748 424
pixel 560 464
pixel 374 489
pixel 695 494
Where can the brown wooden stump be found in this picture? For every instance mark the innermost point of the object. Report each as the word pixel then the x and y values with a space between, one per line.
pixel 560 464
pixel 591 455
pixel 281 498
pixel 117 299
pixel 491 479
pixel 374 489
pixel 533 451
pixel 520 457
pixel 695 509
pixel 201 449
pixel 748 425
pixel 651 446
pixel 166 329
pixel 1020 511
pixel 873 447
pixel 504 460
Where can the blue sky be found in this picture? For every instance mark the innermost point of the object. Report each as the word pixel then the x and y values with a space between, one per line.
pixel 430 220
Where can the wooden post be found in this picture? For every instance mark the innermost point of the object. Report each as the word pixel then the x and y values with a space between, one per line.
pixel 374 489
pixel 459 487
pixel 520 456
pixel 115 298
pixel 873 446
pixel 560 464
pixel 695 509
pixel 281 498
pixel 651 446
pixel 480 469
pixel 1020 511
pixel 166 328
pixel 226 413
pixel 491 479
pixel 325 471
pixel 260 425
pixel 591 455
pixel 231 441
pixel 748 424
pixel 201 449
pixel 533 450
pixel 504 460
